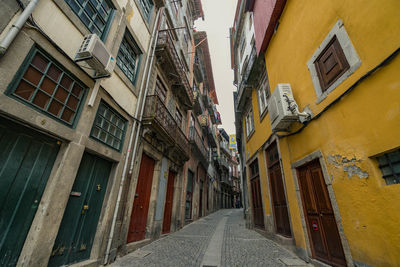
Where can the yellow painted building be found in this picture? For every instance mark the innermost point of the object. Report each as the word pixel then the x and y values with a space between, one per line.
pixel 326 50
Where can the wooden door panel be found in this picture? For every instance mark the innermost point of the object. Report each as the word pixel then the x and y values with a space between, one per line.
pixel 168 203
pixel 26 161
pixel 315 230
pixel 79 224
pixel 333 238
pixel 321 223
pixel 257 203
pixel 137 228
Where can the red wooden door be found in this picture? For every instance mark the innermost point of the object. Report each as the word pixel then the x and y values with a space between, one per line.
pixel 168 203
pixel 321 224
pixel 258 212
pixel 279 204
pixel 137 228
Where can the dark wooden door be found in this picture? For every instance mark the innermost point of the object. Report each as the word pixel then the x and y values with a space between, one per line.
pixel 189 196
pixel 78 226
pixel 137 228
pixel 26 160
pixel 321 224
pixel 279 204
pixel 201 199
pixel 168 203
pixel 258 212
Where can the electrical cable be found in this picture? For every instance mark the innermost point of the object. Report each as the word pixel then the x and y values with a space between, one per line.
pixel 351 88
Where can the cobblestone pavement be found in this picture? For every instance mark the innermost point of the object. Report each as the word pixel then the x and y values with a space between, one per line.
pixel 188 246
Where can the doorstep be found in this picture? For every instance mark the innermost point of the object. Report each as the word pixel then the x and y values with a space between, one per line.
pixel 138 244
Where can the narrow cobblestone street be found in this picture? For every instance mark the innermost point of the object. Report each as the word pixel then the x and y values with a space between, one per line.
pixel 219 239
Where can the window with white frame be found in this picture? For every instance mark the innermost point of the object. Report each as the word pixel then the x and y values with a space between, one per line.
pixel 249 122
pixel 263 93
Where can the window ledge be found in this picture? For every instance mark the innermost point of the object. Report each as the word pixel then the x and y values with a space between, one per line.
pixel 250 135
pixel 263 114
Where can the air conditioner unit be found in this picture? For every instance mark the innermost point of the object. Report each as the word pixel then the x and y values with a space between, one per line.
pixel 282 108
pixel 95 54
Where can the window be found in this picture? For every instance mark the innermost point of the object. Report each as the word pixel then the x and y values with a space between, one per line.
pixel 95 14
pixel 109 127
pixel 178 117
pixel 389 163
pixel 160 90
pixel 147 7
pixel 249 123
pixel 263 94
pixel 331 64
pixel 334 60
pixel 128 57
pixel 48 87
pixel 254 169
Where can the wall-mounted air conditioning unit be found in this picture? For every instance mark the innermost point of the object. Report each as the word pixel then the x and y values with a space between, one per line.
pixel 95 54
pixel 283 110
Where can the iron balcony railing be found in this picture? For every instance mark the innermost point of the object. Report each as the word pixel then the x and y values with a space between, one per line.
pixel 196 140
pixel 156 113
pixel 243 83
pixel 198 102
pixel 223 146
pixel 165 41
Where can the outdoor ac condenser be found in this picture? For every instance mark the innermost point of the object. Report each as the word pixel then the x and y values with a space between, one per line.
pixel 282 108
pixel 96 55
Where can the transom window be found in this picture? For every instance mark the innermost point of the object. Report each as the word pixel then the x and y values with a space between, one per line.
pixel 109 127
pixel 389 163
pixel 249 122
pixel 147 6
pixel 263 94
pixel 128 57
pixel 95 14
pixel 49 88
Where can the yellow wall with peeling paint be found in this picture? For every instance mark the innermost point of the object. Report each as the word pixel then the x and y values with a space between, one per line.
pixel 362 125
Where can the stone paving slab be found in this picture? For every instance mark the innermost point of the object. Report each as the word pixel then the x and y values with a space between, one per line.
pixel 187 247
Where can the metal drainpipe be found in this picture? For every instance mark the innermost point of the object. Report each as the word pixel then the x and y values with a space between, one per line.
pixel 152 47
pixel 16 27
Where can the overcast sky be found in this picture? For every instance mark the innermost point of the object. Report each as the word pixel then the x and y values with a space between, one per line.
pixel 218 18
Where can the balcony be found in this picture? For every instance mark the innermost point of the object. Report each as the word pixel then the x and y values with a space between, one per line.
pixel 224 147
pixel 249 78
pixel 224 163
pixel 158 118
pixel 198 145
pixel 169 60
pixel 198 106
pixel 212 137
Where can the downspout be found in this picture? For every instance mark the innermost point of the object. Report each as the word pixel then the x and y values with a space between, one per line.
pixel 17 26
pixel 141 99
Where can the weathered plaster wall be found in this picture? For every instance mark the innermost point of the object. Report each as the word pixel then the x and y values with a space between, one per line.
pixel 351 133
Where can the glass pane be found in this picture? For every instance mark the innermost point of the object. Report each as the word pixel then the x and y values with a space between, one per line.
pixel 107 115
pixel 85 19
pixel 48 86
pixel 382 160
pixel 99 23
pixel 61 94
pixel 67 115
pixel 99 121
pixel 112 129
pixel 396 168
pixel 117 144
pixel 103 136
pixel 96 132
pixel 41 99
pixel 32 75
pixel 386 170
pixel 40 62
pixel 66 82
pixel 106 124
pixel 54 73
pixel 394 156
pixel 110 140
pixel 90 11
pixel 118 134
pixel 77 90
pixel 24 90
pixel 73 102
pixel 55 108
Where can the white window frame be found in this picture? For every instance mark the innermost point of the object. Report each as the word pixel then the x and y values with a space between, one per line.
pixel 249 123
pixel 263 93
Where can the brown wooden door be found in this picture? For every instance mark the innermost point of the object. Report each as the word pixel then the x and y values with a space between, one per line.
pixel 279 204
pixel 321 224
pixel 168 203
pixel 137 228
pixel 258 212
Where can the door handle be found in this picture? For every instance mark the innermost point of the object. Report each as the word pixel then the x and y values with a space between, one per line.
pixel 136 195
pixel 85 207
pixel 321 215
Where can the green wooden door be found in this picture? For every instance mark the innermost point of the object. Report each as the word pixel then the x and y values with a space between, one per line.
pixel 26 160
pixel 78 227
